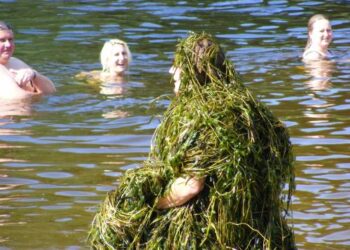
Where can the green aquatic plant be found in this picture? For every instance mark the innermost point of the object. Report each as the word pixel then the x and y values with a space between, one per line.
pixel 214 129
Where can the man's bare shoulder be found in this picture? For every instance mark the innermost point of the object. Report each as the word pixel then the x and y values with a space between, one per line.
pixel 15 63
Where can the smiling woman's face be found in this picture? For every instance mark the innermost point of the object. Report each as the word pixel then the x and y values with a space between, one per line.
pixel 176 76
pixel 118 60
pixel 321 33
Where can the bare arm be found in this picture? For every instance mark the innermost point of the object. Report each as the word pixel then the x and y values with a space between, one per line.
pixel 30 79
pixel 181 191
pixel 43 84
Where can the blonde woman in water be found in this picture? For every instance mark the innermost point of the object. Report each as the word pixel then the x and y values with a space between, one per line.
pixel 115 58
pixel 320 36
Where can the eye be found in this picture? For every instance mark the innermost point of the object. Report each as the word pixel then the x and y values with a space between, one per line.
pixel 6 40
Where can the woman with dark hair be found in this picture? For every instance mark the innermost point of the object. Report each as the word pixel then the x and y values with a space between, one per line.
pixel 217 169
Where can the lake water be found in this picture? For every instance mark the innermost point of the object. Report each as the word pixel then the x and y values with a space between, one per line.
pixel 60 154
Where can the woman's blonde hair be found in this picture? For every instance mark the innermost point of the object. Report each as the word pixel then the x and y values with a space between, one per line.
pixel 310 26
pixel 106 51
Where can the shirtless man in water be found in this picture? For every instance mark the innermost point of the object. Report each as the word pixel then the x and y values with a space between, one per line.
pixel 17 79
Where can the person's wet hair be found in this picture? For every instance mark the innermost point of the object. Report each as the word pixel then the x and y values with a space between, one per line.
pixel 201 58
pixel 5 26
pixel 203 51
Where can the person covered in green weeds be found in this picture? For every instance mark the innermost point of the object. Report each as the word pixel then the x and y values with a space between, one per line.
pixel 219 174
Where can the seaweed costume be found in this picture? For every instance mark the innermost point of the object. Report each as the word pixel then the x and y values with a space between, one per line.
pixel 214 129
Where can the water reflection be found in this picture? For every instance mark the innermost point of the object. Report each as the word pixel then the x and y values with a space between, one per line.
pixel 114 88
pixel 11 112
pixel 321 73
pixel 115 114
pixel 11 108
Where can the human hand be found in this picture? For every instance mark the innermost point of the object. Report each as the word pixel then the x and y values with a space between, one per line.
pixel 23 76
pixel 181 191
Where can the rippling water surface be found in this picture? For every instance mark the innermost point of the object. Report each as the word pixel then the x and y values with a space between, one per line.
pixel 60 154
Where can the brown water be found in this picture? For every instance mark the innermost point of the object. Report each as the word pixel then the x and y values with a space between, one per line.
pixel 60 154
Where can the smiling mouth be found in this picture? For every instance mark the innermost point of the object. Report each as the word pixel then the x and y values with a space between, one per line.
pixel 120 64
pixel 8 53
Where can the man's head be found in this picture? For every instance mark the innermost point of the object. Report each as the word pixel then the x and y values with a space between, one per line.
pixel 7 45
